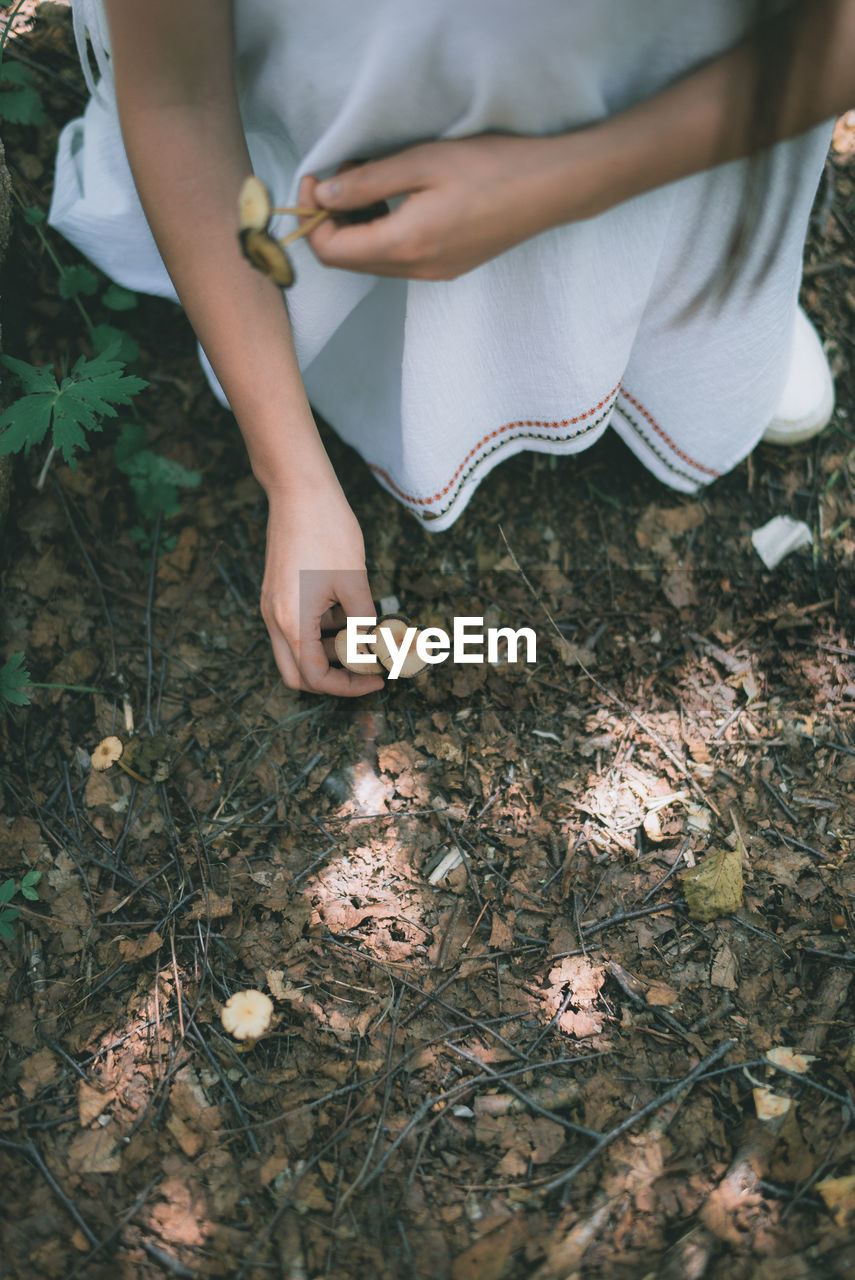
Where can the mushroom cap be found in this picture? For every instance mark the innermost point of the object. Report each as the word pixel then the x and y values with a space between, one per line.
pixel 254 205
pixel 372 668
pixel 106 753
pixel 247 1014
pixel 266 255
pixel 397 624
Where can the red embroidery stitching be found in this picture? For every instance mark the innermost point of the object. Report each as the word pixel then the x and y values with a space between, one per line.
pixel 656 427
pixel 508 426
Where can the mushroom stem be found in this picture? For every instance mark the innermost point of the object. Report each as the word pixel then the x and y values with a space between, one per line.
pixel 132 772
pixel 296 210
pixel 318 216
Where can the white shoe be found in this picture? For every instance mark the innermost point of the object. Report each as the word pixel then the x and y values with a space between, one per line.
pixel 807 401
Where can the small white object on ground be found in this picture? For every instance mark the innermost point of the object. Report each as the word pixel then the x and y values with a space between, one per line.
pixel 778 537
pixel 389 604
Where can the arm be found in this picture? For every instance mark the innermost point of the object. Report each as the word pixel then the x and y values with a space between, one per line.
pixel 173 66
pixel 472 198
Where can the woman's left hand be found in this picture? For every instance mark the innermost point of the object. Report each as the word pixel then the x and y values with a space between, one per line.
pixel 466 201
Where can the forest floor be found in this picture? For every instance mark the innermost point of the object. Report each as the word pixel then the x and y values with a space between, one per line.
pixel 503 1047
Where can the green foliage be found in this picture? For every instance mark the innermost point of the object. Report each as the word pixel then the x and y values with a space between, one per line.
pixel 14 684
pixel 105 336
pixel 33 215
pixel 155 480
pixel 27 889
pixel 20 103
pixel 115 298
pixel 80 403
pixel 76 280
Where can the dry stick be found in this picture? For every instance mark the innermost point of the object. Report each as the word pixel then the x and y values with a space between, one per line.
pixel 32 1153
pixel 381 1119
pixel 226 1083
pixel 115 1231
pixel 167 1261
pixel 90 566
pixel 411 986
pixel 288 1202
pixel 564 1179
pixel 149 605
pixel 526 1098
pixel 625 708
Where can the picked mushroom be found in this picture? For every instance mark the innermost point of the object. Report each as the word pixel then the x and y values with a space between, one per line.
pixel 106 753
pixel 397 625
pixel 372 668
pixel 247 1015
pixel 264 251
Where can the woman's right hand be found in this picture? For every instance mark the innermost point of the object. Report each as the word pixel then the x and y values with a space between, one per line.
pixel 315 561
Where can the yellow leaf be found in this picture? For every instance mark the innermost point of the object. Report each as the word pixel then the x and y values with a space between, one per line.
pixel 839 1196
pixel 714 887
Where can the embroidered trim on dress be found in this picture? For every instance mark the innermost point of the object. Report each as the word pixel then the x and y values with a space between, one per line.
pixel 485 449
pixel 625 395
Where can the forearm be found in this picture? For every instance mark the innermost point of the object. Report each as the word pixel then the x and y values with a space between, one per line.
pixel 188 155
pixel 709 117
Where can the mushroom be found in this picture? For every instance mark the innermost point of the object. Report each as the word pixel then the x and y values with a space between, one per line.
pixel 396 625
pixel 106 753
pixel 258 246
pixel 372 668
pixel 247 1015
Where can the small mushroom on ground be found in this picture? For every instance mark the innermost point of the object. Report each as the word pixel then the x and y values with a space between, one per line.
pixel 106 753
pixel 247 1015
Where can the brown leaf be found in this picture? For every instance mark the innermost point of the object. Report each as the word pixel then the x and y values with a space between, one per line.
pixel 486 1258
pixel 131 950
pixel 714 887
pixel 37 1071
pixel 91 1102
pixel 93 1151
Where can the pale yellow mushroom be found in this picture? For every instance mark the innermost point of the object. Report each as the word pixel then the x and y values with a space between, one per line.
pixel 106 753
pixel 247 1015
pixel 397 626
pixel 254 205
pixel 372 668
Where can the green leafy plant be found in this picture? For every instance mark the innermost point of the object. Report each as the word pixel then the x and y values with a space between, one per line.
pixel 155 480
pixel 80 403
pixel 14 684
pixel 20 102
pixel 27 889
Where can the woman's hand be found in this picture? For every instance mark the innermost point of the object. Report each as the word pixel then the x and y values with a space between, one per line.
pixel 467 200
pixel 315 562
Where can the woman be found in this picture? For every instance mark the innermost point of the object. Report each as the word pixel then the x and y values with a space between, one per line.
pixel 572 177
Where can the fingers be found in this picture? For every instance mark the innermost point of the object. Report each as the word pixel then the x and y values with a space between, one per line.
pixel 355 186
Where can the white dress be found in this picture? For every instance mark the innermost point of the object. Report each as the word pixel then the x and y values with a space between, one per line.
pixel 578 329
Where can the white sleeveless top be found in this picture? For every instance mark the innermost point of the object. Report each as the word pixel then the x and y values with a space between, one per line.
pixel 543 348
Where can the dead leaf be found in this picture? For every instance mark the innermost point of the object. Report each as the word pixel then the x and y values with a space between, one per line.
pixel 724 969
pixel 90 1103
pixel 769 1105
pixel 37 1071
pixel 789 1059
pixel 659 993
pixel 487 1257
pixel 93 1151
pixel 714 887
pixel 130 950
pixel 839 1196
